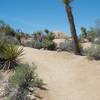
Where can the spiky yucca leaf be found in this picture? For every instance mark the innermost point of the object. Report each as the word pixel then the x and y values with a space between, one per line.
pixel 11 55
pixel 12 52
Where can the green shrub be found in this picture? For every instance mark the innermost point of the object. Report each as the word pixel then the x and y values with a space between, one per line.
pixel 10 56
pixel 93 52
pixel 25 77
pixel 49 45
pixel 20 73
pixel 50 36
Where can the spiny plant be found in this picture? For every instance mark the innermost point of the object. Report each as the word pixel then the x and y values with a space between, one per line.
pixel 10 56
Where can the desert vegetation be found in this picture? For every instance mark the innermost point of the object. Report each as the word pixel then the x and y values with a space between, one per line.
pixel 11 40
pixel 24 81
pixel 56 54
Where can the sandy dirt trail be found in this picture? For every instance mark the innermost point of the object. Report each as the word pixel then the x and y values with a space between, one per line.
pixel 69 77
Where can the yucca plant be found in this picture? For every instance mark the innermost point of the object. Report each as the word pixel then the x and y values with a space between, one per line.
pixel 10 56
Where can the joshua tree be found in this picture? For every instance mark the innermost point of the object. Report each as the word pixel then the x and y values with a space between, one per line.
pixel 72 25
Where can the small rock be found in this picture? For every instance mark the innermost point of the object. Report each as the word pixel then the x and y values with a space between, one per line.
pixel 31 89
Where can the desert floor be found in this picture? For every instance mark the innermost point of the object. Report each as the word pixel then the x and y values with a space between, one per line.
pixel 68 77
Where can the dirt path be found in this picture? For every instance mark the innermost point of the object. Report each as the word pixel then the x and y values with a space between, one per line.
pixel 69 77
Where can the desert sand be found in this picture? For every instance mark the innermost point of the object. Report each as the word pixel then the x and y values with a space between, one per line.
pixel 68 77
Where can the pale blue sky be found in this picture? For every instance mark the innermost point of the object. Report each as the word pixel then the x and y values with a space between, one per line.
pixel 33 15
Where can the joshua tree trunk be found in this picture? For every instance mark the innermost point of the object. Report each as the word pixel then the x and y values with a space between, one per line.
pixel 72 29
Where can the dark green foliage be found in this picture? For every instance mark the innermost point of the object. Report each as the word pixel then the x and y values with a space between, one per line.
pixel 44 40
pixel 48 41
pixel 49 45
pixel 83 32
pixel 46 31
pixel 50 36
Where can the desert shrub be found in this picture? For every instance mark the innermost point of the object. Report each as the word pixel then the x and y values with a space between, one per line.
pixel 93 52
pixel 70 46
pixel 10 56
pixel 20 73
pixel 50 36
pixel 91 36
pixel 48 41
pixel 37 44
pixel 25 77
pixel 97 41
pixel 49 45
pixel 11 40
pixel 93 33
pixel 44 40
